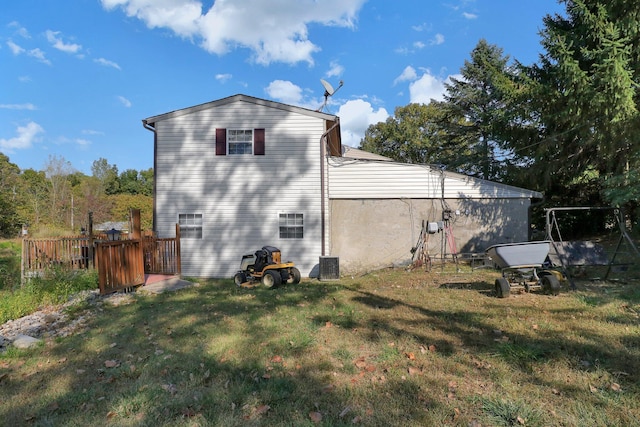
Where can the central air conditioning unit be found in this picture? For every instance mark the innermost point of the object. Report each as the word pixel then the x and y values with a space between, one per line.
pixel 329 268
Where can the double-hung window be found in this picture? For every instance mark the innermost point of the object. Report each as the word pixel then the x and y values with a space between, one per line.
pixel 240 141
pixel 291 225
pixel 190 226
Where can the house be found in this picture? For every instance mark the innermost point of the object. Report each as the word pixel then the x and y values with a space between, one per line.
pixel 241 172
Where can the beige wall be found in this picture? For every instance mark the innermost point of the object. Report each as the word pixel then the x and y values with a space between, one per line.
pixel 368 234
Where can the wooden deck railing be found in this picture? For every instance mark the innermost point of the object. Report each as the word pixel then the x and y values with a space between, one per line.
pixel 161 256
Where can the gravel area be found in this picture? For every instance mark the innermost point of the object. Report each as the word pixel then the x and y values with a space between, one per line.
pixel 53 321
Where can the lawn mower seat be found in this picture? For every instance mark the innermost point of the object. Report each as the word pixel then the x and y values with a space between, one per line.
pixel 264 257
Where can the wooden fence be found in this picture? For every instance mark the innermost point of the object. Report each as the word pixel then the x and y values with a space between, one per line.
pixel 121 264
pixel 68 252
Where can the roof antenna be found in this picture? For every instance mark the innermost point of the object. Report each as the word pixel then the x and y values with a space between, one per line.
pixel 328 91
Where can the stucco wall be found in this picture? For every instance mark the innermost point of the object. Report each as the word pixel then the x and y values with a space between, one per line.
pixel 367 234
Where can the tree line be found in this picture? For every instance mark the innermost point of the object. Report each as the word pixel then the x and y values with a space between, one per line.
pixel 57 200
pixel 566 126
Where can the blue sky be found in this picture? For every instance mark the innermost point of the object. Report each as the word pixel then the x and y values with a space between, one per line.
pixel 79 76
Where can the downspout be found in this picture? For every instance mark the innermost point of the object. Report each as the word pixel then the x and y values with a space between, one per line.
pixel 323 153
pixel 147 126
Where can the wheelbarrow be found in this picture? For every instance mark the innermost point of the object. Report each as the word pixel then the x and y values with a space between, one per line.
pixel 522 266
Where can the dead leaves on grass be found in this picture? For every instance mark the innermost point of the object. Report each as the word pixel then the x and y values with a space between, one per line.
pixel 111 363
pixel 315 416
pixel 256 411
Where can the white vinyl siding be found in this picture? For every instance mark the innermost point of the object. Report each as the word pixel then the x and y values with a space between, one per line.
pixel 363 179
pixel 240 197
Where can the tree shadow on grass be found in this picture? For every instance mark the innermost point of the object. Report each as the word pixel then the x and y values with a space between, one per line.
pixel 583 346
pixel 222 355
pixel 213 355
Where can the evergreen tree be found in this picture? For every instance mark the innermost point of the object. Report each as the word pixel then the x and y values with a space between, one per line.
pixel 481 104
pixel 584 92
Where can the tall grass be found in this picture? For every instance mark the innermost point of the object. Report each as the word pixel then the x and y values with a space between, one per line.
pixel 9 264
pixel 55 286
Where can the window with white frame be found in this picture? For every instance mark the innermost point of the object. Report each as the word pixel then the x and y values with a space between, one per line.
pixel 190 226
pixel 240 141
pixel 291 226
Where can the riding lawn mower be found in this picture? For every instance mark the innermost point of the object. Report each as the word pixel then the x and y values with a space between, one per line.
pixel 265 266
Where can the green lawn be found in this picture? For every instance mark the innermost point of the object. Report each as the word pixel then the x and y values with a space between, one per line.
pixel 390 348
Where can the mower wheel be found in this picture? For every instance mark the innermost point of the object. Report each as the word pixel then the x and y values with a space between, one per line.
pixel 271 278
pixel 294 276
pixel 239 278
pixel 551 284
pixel 502 288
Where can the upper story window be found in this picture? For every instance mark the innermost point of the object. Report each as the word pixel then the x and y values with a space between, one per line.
pixel 240 141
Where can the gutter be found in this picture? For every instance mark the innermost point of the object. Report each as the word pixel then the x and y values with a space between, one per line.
pixel 323 154
pixel 149 127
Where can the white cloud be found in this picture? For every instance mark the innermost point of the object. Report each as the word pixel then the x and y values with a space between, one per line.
pixel 82 142
pixel 15 49
pixel 20 30
pixel 437 39
pixel 57 43
pixel 24 79
pixel 421 27
pixel 419 45
pixel 27 106
pixel 335 69
pixel 124 101
pixel 274 32
pixel 107 63
pixel 180 16
pixel 39 55
pixel 222 78
pixel 428 87
pixel 92 132
pixel 34 53
pixel 468 15
pixel 408 74
pixel 26 136
pixel 355 117
pixel 285 91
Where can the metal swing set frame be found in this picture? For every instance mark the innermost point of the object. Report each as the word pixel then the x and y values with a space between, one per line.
pixel 558 245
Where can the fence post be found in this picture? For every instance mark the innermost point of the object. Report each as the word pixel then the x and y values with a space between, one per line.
pixel 22 258
pixel 178 259
pixel 92 257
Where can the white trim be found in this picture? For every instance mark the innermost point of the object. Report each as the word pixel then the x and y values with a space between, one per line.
pixel 253 141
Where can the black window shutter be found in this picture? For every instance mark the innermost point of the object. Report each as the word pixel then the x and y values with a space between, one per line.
pixel 221 142
pixel 258 142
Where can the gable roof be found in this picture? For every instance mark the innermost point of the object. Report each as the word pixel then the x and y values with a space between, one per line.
pixel 150 121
